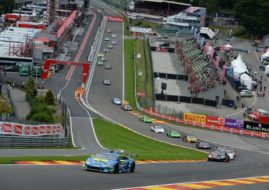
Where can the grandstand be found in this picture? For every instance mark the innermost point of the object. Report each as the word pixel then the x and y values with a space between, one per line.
pixel 202 72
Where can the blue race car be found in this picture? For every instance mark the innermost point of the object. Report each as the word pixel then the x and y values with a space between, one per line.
pixel 110 162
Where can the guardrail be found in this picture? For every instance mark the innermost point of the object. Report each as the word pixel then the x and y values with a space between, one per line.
pixel 6 141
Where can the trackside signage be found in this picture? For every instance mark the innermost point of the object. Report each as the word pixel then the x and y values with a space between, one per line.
pixel 233 123
pixel 253 126
pixel 195 118
pixel 214 121
pixel 115 19
pixel 17 129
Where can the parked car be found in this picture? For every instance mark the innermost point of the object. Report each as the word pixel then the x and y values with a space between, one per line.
pixel 110 46
pixel 114 42
pixel 145 119
pixel 173 134
pixel 114 35
pixel 218 155
pixel 157 129
pixel 203 145
pixel 107 82
pixel 116 101
pixel 246 93
pixel 108 30
pixel 107 39
pixel 189 139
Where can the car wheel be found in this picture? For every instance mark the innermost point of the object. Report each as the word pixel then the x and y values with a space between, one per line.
pixel 227 159
pixel 132 169
pixel 116 168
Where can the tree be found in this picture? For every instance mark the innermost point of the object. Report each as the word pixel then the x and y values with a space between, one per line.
pixel 5 107
pixel 30 89
pixel 49 98
pixel 253 15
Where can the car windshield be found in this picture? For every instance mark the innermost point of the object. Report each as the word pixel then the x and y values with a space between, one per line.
pixel 106 156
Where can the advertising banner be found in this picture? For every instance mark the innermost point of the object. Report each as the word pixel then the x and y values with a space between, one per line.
pixel 233 123
pixel 195 118
pixel 27 130
pixel 254 126
pixel 42 130
pixel 214 121
pixel 115 19
pixel 18 129
pixel 7 128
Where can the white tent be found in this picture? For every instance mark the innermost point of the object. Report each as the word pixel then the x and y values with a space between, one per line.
pixel 246 80
pixel 265 55
pixel 239 67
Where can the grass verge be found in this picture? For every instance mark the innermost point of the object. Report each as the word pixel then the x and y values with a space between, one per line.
pixel 13 160
pixel 144 81
pixel 129 72
pixel 113 136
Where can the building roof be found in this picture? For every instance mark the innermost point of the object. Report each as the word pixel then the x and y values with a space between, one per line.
pixel 169 2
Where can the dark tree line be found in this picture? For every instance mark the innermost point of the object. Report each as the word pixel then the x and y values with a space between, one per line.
pixel 6 5
pixel 252 14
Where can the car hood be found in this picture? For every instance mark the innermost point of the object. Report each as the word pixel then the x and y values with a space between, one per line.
pixel 100 162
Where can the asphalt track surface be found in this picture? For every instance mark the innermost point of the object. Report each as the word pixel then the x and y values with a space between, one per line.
pixel 251 160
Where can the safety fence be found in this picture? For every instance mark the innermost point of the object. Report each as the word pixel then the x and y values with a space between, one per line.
pixel 228 125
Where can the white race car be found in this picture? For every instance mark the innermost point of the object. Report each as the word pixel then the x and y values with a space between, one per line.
pixel 231 153
pixel 157 129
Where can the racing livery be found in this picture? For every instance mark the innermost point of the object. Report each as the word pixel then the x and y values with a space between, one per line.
pixel 110 162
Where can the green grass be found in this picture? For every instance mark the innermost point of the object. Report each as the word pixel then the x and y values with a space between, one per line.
pixel 144 24
pixel 129 72
pixel 113 136
pixel 13 160
pixel 144 81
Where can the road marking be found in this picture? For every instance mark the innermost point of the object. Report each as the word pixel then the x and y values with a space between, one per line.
pixel 205 184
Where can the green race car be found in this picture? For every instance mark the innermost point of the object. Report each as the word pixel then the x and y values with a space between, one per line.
pixel 173 134
pixel 100 63
pixel 145 119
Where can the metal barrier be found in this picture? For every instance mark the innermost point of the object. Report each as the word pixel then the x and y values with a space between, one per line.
pixel 6 141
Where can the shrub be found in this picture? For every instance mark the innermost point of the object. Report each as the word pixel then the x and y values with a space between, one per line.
pixel 49 98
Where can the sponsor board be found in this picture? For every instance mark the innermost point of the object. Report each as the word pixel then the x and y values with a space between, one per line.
pixel 195 118
pixel 214 121
pixel 233 123
pixel 115 19
pixel 254 126
pixel 16 129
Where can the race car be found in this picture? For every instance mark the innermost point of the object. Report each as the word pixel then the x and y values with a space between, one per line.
pixel 107 82
pixel 145 119
pixel 218 155
pixel 116 101
pixel 231 153
pixel 110 162
pixel 189 139
pixel 126 106
pixel 157 129
pixel 202 145
pixel 173 134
